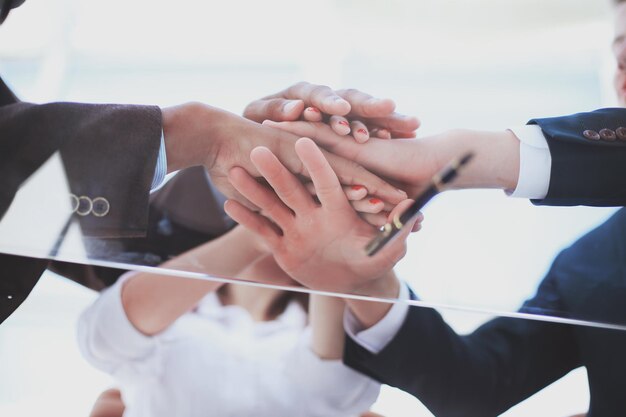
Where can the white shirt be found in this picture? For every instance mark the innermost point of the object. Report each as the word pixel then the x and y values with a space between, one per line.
pixel 533 183
pixel 216 361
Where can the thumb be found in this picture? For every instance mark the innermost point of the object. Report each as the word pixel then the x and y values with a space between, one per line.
pixel 277 109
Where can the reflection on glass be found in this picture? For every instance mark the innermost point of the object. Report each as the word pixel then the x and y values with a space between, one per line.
pixel 186 213
pixel 191 347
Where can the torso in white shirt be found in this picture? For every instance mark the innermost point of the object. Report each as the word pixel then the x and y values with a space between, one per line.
pixel 216 361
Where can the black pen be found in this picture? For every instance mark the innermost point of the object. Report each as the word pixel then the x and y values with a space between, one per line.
pixel 442 178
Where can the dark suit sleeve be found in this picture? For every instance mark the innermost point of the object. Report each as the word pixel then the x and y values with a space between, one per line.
pixel 478 375
pixel 586 171
pixel 108 151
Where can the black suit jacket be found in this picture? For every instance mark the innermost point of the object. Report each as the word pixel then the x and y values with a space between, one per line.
pixel 588 153
pixel 507 360
pixel 107 150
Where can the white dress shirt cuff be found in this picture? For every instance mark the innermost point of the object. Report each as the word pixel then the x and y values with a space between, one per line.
pixel 379 335
pixel 161 166
pixel 535 163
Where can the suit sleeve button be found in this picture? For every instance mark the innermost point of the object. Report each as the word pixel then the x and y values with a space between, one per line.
pixel 620 132
pixel 591 135
pixel 608 135
pixel 84 206
pixel 101 207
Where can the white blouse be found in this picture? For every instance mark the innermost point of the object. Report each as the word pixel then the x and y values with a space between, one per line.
pixel 216 361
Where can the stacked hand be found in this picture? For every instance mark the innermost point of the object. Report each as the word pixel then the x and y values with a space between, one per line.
pixel 345 111
pixel 197 134
pixel 319 245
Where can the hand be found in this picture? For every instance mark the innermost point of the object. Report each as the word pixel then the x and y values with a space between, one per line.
pixel 197 134
pixel 345 110
pixel 320 246
pixel 411 164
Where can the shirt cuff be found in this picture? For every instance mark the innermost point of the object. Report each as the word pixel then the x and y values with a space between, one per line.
pixel 535 163
pixel 161 167
pixel 379 335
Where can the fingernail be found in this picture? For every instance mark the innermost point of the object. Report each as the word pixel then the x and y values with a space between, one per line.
pixel 312 109
pixel 344 123
pixel 290 106
pixel 357 187
pixel 362 131
pixel 375 201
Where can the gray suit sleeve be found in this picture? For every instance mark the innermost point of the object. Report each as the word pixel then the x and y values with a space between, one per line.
pixel 108 151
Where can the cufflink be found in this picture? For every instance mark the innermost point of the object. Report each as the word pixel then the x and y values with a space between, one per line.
pixel 84 206
pixel 100 207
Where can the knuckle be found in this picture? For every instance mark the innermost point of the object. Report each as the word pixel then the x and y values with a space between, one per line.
pixel 274 107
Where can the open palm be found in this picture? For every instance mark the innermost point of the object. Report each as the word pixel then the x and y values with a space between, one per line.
pixel 321 245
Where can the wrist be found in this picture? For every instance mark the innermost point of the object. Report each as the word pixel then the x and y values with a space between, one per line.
pixel 368 313
pixel 190 135
pixel 496 158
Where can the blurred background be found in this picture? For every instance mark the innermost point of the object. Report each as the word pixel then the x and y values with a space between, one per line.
pixel 482 64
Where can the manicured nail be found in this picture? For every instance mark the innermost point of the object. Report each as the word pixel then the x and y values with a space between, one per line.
pixel 344 123
pixel 290 106
pixel 362 131
pixel 313 109
pixel 375 201
pixel 357 187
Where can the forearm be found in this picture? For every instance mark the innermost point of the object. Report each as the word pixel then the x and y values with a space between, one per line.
pixel 191 133
pixel 153 302
pixel 326 315
pixel 496 157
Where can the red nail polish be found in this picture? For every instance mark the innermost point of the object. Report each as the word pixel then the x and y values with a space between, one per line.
pixel 362 131
pixel 357 187
pixel 375 200
pixel 343 123
pixel 313 109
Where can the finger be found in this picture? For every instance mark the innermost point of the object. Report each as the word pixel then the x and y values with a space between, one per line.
pixel 312 114
pixel 253 222
pixel 261 196
pixel 369 205
pixel 375 219
pixel 320 96
pixel 403 135
pixel 396 122
pixel 278 109
pixel 364 105
pixel 348 171
pixel 418 223
pixel 340 125
pixel 380 133
pixel 396 249
pixel 352 192
pixel 327 186
pixel 285 184
pixel 355 192
pixel 359 131
pixel 323 135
